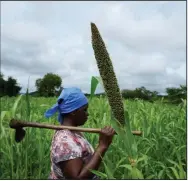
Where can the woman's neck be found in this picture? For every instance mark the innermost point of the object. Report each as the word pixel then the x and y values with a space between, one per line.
pixel 68 122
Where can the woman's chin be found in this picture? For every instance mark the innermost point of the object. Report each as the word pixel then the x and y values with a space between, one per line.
pixel 84 122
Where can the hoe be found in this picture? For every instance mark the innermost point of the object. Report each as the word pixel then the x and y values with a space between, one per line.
pixel 18 125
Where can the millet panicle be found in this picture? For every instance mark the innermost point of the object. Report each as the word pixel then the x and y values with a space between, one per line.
pixel 107 74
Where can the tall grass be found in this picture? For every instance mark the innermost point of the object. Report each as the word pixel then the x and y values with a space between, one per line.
pixel 160 152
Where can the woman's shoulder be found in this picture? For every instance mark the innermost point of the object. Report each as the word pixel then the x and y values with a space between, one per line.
pixel 62 139
pixel 69 137
pixel 62 134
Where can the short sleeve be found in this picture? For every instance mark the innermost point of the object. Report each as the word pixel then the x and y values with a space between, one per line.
pixel 65 147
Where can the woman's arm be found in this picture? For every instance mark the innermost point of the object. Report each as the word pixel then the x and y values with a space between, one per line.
pixel 75 169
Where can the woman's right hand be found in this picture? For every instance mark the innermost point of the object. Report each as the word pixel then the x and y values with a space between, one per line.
pixel 106 136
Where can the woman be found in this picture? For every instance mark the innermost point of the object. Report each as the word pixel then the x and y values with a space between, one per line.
pixel 72 156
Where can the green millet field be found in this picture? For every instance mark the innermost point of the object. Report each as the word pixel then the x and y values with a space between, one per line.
pixel 160 153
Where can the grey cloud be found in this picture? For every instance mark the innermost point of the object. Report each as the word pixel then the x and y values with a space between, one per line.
pixel 143 46
pixel 154 33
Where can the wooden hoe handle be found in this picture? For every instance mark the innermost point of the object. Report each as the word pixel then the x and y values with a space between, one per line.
pixel 19 124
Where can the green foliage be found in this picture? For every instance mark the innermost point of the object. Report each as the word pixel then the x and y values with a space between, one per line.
pixel 9 87
pixel 2 86
pixel 48 85
pixel 175 95
pixel 160 154
pixel 94 82
pixel 140 93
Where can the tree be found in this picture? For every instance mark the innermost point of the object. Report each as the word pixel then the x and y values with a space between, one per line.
pixel 2 85
pixel 59 91
pixel 176 94
pixel 11 87
pixel 48 85
pixel 183 90
pixel 143 93
pixel 140 93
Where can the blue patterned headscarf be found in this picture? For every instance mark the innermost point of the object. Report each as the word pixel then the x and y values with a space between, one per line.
pixel 72 99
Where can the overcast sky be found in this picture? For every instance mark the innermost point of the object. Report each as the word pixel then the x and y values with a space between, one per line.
pixel 146 42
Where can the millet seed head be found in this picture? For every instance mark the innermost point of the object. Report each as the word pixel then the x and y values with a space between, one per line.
pixel 107 73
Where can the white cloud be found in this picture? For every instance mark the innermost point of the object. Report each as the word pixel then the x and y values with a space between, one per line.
pixel 146 41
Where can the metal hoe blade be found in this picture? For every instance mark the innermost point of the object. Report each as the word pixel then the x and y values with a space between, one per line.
pixel 19 134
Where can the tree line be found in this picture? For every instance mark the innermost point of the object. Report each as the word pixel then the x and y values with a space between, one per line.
pixel 8 87
pixel 51 85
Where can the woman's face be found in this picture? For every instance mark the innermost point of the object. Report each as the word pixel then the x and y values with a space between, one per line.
pixel 81 115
